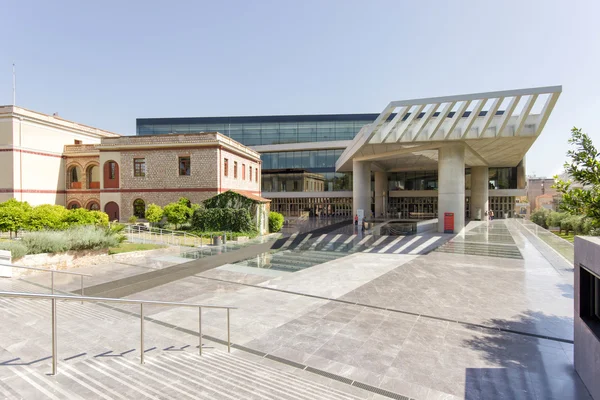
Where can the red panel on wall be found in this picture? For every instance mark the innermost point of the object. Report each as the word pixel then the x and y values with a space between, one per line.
pixel 111 175
pixel 448 222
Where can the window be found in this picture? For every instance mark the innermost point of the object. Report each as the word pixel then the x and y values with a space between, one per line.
pixel 139 208
pixel 112 170
pixel 243 172
pixel 589 307
pixel 235 170
pixel 74 174
pixel 250 173
pixel 225 167
pixel 184 166
pixel 139 167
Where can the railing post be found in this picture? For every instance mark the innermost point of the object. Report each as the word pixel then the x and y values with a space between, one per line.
pixel 199 330
pixel 141 333
pixel 52 281
pixel 228 335
pixel 54 349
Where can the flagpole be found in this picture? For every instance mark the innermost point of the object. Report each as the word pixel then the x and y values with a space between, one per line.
pixel 14 86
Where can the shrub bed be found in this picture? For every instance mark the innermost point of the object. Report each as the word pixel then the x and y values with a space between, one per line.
pixel 16 215
pixel 77 238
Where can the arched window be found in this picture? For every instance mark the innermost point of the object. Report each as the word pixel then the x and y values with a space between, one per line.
pixel 74 177
pixel 73 205
pixel 139 208
pixel 93 177
pixel 93 206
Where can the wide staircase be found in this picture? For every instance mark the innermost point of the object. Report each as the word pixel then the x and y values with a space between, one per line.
pixel 98 352
pixel 344 244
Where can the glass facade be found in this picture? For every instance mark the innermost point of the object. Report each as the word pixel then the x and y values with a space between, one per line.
pixel 320 164
pixel 413 180
pixel 313 206
pixel 313 160
pixel 254 131
pixel 302 181
pixel 503 178
pixel 499 178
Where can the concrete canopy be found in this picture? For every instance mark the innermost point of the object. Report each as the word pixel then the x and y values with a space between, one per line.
pixel 496 128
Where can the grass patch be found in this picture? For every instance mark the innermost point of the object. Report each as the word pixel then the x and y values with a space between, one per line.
pixel 128 247
pixel 570 237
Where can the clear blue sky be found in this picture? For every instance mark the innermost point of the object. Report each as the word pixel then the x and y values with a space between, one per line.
pixel 105 63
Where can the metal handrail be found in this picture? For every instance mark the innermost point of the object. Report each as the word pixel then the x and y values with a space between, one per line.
pixel 55 297
pixel 52 272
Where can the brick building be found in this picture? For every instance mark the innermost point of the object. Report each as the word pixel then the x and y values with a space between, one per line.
pixel 540 193
pixel 46 159
pixel 122 175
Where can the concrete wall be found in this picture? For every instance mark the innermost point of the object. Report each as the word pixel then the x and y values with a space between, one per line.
pixel 587 345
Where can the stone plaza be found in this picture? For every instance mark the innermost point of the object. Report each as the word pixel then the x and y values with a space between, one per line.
pixel 326 313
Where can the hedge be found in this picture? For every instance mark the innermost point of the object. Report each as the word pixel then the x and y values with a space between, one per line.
pixel 16 215
pixel 77 238
pixel 222 219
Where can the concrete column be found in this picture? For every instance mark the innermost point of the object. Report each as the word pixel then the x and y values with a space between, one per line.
pixel 381 192
pixel 361 187
pixel 479 192
pixel 521 175
pixel 451 185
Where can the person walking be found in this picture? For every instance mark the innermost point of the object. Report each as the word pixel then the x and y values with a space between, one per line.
pixel 356 220
pixel 491 215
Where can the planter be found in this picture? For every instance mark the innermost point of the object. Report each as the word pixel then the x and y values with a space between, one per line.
pixel 94 185
pixel 217 241
pixel 75 185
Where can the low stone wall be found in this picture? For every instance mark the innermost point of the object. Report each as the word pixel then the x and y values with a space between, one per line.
pixel 75 259
pixel 58 261
pixel 429 225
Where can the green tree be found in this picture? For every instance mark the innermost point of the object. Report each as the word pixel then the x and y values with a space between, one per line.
pixel 540 216
pixel 177 213
pixel 101 218
pixel 275 221
pixel 13 215
pixel 584 168
pixel 555 219
pixel 154 213
pixel 49 216
pixel 185 201
pixel 80 216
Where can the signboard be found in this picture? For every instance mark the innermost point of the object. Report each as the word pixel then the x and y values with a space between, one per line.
pixel 448 222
